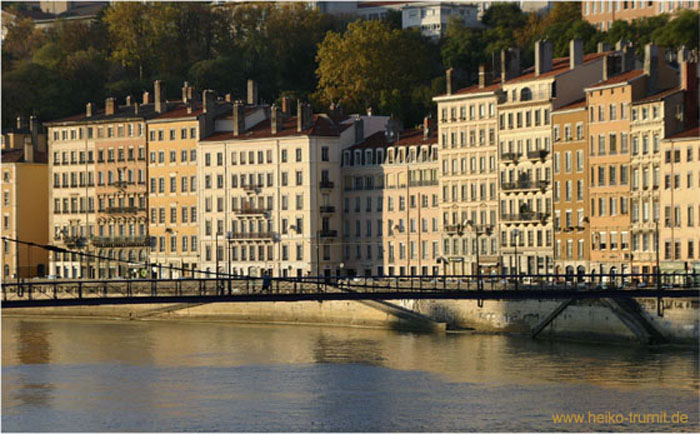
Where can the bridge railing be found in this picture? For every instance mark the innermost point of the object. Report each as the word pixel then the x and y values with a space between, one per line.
pixel 232 285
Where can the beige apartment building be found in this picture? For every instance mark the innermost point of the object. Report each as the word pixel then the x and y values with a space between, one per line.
pixel 271 190
pixel 602 14
pixel 570 195
pixel 173 184
pixel 25 195
pixel 680 234
pixel 525 141
pixel 390 204
pixel 468 131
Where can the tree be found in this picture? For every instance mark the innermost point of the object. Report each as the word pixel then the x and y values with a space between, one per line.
pixel 681 31
pixel 371 65
pixel 462 46
pixel 132 34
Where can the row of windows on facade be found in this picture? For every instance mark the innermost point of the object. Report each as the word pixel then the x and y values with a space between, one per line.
pixel 413 202
pixel 472 215
pixel 78 179
pixel 568 190
pixel 75 205
pixel 526 238
pixel 568 133
pixel 122 130
pixel 459 166
pixel 391 225
pixel 569 250
pixel 672 249
pixel 159 135
pixel 82 157
pixel 187 215
pixel 513 206
pixel 463 139
pixel 510 147
pixel 159 157
pixel 612 178
pixel 416 178
pixel 252 253
pixel 603 6
pixel 568 161
pixel 103 230
pixel 187 244
pixel 569 219
pixel 263 157
pixel 611 148
pixel 370 157
pixel 458 193
pixel 120 254
pixel 260 226
pixel 506 121
pixel 480 111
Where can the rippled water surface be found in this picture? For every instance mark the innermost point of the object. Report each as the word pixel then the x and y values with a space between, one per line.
pixel 73 375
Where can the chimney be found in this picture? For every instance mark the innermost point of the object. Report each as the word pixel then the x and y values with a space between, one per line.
pixel 189 107
pixel 606 67
pixel 359 125
pixel 20 122
pixel 603 47
pixel 628 58
pixel 484 77
pixel 575 53
pixel 228 97
pixel 426 127
pixel 688 65
pixel 109 106
pixel 159 95
pixel 369 111
pixel 391 130
pixel 238 118
pixel 300 116
pixel 28 151
pixel 651 66
pixel 543 57
pixel 510 64
pixel 185 92
pixel 146 98
pixel 308 116
pixel 34 130
pixel 252 92
pixel 136 108
pixel 127 101
pixel 208 101
pixel 286 106
pixel 450 81
pixel 275 119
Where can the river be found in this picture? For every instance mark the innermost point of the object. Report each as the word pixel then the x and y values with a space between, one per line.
pixel 101 375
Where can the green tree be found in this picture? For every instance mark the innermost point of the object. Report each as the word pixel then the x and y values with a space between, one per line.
pixel 462 46
pixel 683 30
pixel 134 38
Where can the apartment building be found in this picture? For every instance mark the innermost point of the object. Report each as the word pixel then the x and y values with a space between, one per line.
pixel 603 13
pixel 25 195
pixel 680 234
pixel 432 18
pixel 270 192
pixel 173 184
pixel 468 131
pixel 390 203
pixel 98 196
pixel 570 194
pixel 525 141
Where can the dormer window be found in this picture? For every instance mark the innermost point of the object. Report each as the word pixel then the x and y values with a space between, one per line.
pixel 525 94
pixel 380 156
pixel 368 157
pixel 358 158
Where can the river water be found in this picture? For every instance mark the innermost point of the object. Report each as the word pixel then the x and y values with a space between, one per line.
pixel 92 375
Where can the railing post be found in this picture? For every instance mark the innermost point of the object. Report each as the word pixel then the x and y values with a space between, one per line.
pixel 55 291
pixel 104 289
pixel 80 289
pixel 29 291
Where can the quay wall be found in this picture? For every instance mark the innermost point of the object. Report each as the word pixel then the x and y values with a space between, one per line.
pixel 588 320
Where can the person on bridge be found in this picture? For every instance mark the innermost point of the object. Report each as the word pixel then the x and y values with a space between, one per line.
pixel 267 281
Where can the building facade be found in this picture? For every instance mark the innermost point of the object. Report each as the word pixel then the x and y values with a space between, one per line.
pixel 602 14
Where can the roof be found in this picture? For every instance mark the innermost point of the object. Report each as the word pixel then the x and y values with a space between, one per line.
pixel 559 65
pixel 619 78
pixel 476 89
pixel 692 133
pixel 179 110
pixel 247 109
pixel 373 4
pixel 578 104
pixel 146 111
pixel 406 138
pixel 17 156
pixel 322 126
pixel 658 95
pixel 78 9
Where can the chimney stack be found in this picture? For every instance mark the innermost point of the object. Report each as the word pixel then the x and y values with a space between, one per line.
pixel 228 98
pixel 208 101
pixel 109 106
pixel 252 92
pixel 391 130
pixel 159 95
pixel 128 101
pixel 238 118
pixel 575 53
pixel 543 57
pixel 450 81
pixel 603 47
pixel 651 66
pixel 146 98
pixel 136 108
pixel 275 119
pixel 510 64
pixel 606 68
pixel 426 127
pixel 185 92
pixel 300 116
pixel 34 130
pixel 286 106
pixel 484 77
pixel 28 151
pixel 359 125
pixel 688 65
pixel 20 122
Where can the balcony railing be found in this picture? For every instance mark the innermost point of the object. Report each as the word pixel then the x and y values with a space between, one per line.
pixel 139 241
pixel 252 210
pixel 540 154
pixel 251 235
pixel 123 209
pixel 251 187
pixel 524 217
pixel 327 208
pixel 326 184
pixel 524 185
pixel 453 229
pixel 328 233
pixel 510 156
pixel 422 183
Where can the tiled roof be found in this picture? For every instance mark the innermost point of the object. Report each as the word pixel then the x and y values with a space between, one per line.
pixel 658 95
pixel 406 138
pixel 581 103
pixel 476 89
pixel 322 126
pixel 179 110
pixel 620 78
pixel 692 133
pixel 146 111
pixel 559 65
pixel 17 156
pixel 373 4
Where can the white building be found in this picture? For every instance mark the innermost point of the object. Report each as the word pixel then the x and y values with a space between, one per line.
pixel 432 18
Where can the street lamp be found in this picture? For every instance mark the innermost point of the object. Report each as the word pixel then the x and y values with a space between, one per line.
pixel 487 230
pixel 517 259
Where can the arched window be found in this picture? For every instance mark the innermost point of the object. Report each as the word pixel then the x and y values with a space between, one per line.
pixel 525 94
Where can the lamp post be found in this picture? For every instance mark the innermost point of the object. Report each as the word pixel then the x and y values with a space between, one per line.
pixel 172 234
pixel 517 259
pixel 216 255
pixel 487 230
pixel 658 248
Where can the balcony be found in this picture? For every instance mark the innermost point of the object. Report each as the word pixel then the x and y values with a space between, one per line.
pixel 327 209
pixel 325 184
pixel 252 235
pixel 510 157
pixel 524 185
pixel 123 210
pixel 453 229
pixel 74 241
pixel 120 184
pixel 251 188
pixel 252 210
pixel 121 241
pixel 328 233
pixel 529 216
pixel 538 154
pixel 422 183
